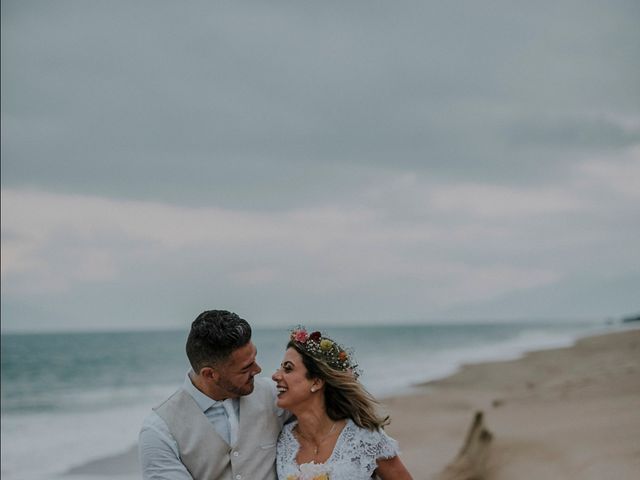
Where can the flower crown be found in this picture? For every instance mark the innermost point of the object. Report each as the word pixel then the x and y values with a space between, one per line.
pixel 325 349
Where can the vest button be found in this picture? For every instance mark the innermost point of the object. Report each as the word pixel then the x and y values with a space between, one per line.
pixel 235 454
pixel 238 477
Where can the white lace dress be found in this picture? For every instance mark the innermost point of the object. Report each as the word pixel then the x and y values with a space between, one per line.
pixel 353 458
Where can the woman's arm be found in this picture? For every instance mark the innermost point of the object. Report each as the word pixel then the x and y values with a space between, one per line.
pixel 392 469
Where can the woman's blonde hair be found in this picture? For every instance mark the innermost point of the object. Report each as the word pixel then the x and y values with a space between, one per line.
pixel 345 396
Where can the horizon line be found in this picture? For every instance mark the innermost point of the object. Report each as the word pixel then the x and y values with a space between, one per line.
pixel 404 323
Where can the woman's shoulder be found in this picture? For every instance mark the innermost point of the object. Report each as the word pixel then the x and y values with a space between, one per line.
pixel 364 447
pixel 371 437
pixel 354 427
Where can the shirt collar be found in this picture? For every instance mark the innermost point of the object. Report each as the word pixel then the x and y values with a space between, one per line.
pixel 204 402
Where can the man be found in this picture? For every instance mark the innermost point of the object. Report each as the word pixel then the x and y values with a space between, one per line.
pixel 222 423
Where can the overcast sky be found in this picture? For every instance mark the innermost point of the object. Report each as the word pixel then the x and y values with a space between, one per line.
pixel 334 162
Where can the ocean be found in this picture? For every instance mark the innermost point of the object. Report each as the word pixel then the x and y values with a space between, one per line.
pixel 69 398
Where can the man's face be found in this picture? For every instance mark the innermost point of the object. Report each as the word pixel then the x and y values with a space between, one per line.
pixel 236 375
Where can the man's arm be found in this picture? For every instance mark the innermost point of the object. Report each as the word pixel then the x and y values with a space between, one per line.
pixel 159 457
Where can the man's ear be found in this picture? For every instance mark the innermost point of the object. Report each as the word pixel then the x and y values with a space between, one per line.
pixel 209 373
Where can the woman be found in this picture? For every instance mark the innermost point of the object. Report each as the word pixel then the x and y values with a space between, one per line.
pixel 337 434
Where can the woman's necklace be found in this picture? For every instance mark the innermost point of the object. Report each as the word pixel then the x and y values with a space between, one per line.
pixel 319 442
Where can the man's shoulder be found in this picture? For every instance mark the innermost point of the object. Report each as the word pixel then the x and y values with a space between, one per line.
pixel 155 426
pixel 263 394
pixel 174 397
pixel 152 421
pixel 153 418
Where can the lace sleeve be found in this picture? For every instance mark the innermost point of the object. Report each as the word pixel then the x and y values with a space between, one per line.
pixel 377 446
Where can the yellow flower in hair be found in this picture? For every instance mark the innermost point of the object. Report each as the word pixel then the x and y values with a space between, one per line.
pixel 326 344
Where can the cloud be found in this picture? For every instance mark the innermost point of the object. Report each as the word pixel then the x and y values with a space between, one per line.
pixel 406 244
pixel 224 109
pixel 345 245
pixel 498 201
pixel 619 175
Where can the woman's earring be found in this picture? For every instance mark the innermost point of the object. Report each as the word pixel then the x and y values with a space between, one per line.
pixel 313 390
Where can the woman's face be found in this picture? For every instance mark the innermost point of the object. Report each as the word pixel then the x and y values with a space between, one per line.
pixel 294 388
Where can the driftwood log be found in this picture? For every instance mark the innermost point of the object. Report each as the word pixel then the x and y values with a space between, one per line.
pixel 471 461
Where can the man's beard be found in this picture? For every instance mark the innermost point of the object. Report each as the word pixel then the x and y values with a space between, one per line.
pixel 241 391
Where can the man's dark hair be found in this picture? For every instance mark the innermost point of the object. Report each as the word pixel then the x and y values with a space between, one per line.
pixel 214 335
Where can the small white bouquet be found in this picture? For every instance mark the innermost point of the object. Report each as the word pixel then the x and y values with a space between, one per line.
pixel 311 471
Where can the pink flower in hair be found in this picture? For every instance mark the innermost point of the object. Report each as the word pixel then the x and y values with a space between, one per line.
pixel 300 336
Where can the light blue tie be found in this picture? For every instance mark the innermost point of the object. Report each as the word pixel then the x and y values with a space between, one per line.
pixel 233 420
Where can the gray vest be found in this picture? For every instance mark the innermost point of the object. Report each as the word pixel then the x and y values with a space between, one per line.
pixel 207 456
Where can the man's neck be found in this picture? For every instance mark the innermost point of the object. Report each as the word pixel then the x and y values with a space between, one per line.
pixel 209 389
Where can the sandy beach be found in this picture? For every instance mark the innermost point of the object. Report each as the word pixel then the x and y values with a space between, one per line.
pixel 555 414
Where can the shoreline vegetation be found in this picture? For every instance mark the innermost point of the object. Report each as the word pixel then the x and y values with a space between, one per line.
pixel 562 413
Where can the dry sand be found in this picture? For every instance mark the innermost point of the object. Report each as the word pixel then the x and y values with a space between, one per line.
pixel 571 413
